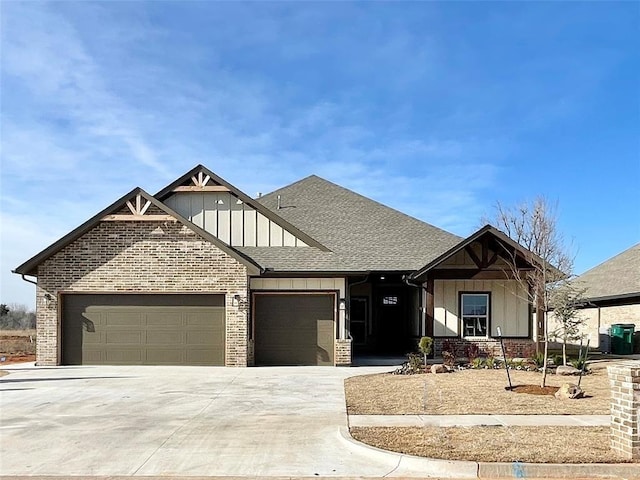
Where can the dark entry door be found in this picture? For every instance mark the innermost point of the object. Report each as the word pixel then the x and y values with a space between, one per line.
pixel 392 325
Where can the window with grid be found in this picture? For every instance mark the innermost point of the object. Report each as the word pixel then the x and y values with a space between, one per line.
pixel 475 314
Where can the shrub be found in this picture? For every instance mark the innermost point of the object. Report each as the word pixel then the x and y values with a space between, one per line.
pixel 471 351
pixel 448 358
pixel 538 359
pixel 412 366
pixel 490 362
pixel 449 345
pixel 579 363
pixel 424 345
pixel 478 363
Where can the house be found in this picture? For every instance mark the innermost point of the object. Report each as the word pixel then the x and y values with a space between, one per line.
pixel 612 294
pixel 311 274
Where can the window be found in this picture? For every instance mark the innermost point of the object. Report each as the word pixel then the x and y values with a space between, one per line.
pixel 390 300
pixel 475 314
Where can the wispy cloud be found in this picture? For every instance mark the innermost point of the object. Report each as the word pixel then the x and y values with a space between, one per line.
pixel 399 104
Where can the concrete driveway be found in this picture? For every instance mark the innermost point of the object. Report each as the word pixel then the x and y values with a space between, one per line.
pixel 181 421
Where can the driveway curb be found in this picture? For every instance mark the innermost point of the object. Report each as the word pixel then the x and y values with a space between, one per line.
pixel 409 465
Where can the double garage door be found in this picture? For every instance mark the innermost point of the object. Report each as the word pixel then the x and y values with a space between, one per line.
pixel 137 329
pixel 143 329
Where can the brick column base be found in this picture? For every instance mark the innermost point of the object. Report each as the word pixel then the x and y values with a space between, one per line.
pixel 343 353
pixel 624 379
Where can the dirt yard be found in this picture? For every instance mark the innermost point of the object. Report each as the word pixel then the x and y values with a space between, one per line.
pixel 17 346
pixel 470 392
pixel 495 444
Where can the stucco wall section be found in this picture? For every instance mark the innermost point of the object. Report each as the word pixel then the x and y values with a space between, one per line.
pixel 150 257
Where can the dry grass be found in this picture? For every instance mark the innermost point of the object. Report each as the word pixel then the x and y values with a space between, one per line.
pixel 17 342
pixel 495 444
pixel 18 333
pixel 470 392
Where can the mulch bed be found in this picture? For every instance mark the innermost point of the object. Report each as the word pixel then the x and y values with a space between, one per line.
pixel 534 389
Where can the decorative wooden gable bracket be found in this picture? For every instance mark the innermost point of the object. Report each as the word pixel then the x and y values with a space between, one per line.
pixel 200 184
pixel 485 261
pixel 138 213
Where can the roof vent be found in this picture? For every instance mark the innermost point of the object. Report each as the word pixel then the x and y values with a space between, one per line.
pixel 279 205
pixel 259 194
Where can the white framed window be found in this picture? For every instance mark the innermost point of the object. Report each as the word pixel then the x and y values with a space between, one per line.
pixel 474 309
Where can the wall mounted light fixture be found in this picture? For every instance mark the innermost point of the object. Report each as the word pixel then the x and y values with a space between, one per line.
pixel 49 301
pixel 236 300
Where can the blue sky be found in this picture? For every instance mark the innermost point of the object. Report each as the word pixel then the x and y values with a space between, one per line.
pixel 436 109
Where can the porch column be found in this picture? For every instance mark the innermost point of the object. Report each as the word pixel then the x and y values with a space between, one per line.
pixel 430 307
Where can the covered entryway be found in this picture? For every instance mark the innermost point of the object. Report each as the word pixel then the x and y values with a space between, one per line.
pixel 294 329
pixel 143 329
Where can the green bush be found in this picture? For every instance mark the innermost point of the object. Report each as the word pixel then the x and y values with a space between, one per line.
pixel 478 363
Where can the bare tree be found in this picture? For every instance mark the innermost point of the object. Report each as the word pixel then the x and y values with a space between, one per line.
pixel 564 302
pixel 545 262
pixel 16 317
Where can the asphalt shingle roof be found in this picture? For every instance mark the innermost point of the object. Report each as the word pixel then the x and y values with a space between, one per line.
pixel 361 233
pixel 620 275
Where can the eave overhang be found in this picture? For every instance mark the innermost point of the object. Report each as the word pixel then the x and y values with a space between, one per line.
pixel 30 267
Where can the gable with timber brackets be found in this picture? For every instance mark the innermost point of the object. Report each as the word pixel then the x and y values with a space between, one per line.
pixel 224 211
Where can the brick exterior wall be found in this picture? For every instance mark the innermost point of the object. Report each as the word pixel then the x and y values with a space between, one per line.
pixel 519 347
pixel 342 357
pixel 149 257
pixel 624 379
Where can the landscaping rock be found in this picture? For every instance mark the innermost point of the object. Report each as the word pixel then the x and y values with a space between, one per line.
pixel 439 368
pixel 567 370
pixel 569 391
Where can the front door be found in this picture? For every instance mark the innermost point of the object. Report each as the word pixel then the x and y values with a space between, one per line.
pixel 391 320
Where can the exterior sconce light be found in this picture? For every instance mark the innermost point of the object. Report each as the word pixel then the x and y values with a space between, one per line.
pixel 342 304
pixel 236 300
pixel 49 301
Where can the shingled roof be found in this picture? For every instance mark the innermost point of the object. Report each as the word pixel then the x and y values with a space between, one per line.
pixel 362 234
pixel 617 277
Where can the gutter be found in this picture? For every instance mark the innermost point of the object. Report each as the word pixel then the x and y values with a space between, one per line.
pixel 25 279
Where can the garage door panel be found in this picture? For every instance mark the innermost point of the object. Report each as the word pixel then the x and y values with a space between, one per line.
pixel 164 337
pixel 119 317
pixel 143 329
pixel 121 356
pixel 164 356
pixel 294 329
pixel 163 318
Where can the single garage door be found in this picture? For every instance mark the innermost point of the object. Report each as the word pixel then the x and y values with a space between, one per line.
pixel 294 329
pixel 143 329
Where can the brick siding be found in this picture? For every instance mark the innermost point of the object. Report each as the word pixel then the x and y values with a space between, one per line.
pixel 149 257
pixel 342 356
pixel 624 379
pixel 520 347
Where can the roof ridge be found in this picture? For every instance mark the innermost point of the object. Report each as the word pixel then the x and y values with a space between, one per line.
pixel 611 259
pixel 364 197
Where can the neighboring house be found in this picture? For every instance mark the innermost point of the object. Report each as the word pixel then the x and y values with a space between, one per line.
pixel 311 274
pixel 612 293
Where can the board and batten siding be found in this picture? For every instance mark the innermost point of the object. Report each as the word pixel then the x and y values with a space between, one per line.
pixel 509 308
pixel 307 285
pixel 231 220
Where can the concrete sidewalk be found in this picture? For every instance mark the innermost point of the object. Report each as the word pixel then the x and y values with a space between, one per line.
pixel 478 420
